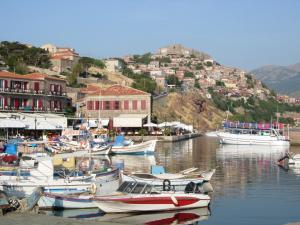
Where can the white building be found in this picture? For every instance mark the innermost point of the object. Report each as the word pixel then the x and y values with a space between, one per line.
pixel 113 65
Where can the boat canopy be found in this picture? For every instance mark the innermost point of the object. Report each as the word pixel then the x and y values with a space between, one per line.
pixel 260 126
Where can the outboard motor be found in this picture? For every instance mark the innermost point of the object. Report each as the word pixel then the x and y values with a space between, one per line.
pixel 283 162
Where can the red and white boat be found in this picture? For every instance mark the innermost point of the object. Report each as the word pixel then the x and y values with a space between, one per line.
pixel 142 197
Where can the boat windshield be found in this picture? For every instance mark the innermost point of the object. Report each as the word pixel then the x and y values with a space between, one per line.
pixel 135 188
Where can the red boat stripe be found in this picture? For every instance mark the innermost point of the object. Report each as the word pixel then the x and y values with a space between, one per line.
pixel 182 201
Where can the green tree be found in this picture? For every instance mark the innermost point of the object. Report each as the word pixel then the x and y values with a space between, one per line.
pixel 72 77
pixel 189 74
pixel 220 83
pixel 143 59
pixel 88 62
pixel 197 85
pixel 173 80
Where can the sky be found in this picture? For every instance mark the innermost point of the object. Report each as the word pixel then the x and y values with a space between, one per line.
pixel 242 33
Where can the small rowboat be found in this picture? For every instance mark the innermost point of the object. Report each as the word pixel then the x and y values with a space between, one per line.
pixel 50 200
pixel 147 147
pixel 142 197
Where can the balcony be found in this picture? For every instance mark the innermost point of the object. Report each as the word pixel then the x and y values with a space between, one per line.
pixel 31 92
pixel 30 109
pixel 58 93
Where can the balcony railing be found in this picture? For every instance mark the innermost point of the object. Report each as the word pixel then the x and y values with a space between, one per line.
pixel 30 109
pixel 31 92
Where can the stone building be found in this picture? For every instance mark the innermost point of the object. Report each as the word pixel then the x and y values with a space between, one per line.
pixel 125 106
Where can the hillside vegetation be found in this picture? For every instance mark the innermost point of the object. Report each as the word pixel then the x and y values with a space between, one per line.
pixel 190 108
pixel 18 57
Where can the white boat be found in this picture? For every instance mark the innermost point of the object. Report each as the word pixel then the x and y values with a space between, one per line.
pixel 21 186
pixel 50 200
pixel 169 181
pixel 238 136
pixel 94 151
pixel 142 197
pixel 147 147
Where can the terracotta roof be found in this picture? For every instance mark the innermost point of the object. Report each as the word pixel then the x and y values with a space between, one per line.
pixel 59 57
pixel 114 90
pixel 41 76
pixel 31 76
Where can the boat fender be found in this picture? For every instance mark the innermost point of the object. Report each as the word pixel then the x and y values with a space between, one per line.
pixel 174 200
pixel 166 185
pixel 93 188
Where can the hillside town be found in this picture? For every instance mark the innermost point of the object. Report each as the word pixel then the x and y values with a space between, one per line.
pixel 107 91
pixel 149 112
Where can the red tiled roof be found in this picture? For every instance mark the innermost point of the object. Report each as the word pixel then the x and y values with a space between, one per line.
pixel 31 76
pixel 114 90
pixel 59 57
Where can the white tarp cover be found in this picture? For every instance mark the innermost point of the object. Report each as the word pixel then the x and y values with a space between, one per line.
pixel 129 120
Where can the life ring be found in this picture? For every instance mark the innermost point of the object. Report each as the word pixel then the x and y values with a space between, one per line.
pixel 93 188
pixel 166 185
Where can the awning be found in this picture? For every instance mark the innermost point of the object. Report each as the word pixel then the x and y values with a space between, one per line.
pixel 11 123
pixel 129 120
pixel 150 125
pixel 42 125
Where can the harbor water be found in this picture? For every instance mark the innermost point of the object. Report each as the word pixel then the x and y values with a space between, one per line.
pixel 249 188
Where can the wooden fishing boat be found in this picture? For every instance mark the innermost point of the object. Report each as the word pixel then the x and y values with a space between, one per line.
pixel 142 197
pixel 50 200
pixel 43 176
pixel 147 147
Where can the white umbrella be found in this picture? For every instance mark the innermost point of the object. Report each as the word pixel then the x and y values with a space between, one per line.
pixel 10 123
pixel 150 125
pixel 165 124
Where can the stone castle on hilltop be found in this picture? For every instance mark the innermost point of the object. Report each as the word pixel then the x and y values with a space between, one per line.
pixel 178 49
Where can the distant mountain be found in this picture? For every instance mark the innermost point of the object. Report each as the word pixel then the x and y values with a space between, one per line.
pixel 283 79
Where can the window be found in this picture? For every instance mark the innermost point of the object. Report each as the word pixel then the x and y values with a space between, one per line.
pixel 90 105
pixel 126 104
pixel 97 105
pixel 117 105
pixel 36 86
pixel 143 104
pixel 138 188
pixel 134 104
pixel 106 105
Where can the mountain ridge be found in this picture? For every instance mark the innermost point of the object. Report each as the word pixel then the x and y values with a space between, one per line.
pixel 283 79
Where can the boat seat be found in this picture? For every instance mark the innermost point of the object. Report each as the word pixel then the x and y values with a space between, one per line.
pixel 190 187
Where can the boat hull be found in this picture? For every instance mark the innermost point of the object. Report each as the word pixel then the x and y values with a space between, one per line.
pixel 244 139
pixel 147 147
pixel 66 202
pixel 151 203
